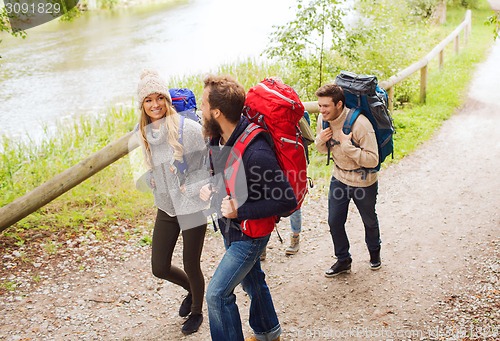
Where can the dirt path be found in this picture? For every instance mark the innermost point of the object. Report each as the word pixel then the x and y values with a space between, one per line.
pixel 439 215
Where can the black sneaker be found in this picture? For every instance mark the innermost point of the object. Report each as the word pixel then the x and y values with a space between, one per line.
pixel 185 307
pixel 339 267
pixel 192 324
pixel 375 262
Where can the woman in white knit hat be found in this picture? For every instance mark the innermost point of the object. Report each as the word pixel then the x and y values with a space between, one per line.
pixel 175 191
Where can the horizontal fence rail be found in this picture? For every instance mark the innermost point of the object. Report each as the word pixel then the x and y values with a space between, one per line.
pixel 63 182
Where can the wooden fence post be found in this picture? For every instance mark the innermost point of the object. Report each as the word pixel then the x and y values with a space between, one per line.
pixel 391 98
pixel 423 84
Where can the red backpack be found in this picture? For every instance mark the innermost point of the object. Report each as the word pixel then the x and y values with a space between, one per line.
pixel 276 107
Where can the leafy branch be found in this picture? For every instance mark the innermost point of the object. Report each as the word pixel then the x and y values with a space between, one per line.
pixel 495 21
pixel 304 42
pixel 5 25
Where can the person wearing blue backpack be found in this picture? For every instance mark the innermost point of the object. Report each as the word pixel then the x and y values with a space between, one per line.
pixel 176 191
pixel 354 176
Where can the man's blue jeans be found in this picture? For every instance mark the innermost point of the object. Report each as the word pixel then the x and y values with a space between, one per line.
pixel 241 264
pixel 365 199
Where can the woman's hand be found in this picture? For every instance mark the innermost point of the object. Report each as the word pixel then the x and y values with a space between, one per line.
pixel 206 192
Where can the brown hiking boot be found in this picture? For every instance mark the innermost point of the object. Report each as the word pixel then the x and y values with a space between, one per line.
pixel 294 245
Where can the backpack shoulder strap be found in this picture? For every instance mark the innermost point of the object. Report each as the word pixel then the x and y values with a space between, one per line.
pixel 181 128
pixel 352 116
pixel 234 159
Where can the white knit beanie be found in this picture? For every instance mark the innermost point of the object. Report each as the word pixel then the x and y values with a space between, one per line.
pixel 151 83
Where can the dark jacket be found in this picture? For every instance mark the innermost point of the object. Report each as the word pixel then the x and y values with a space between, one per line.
pixel 262 188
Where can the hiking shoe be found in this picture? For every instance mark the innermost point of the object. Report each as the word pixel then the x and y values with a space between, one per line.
pixel 375 262
pixel 192 324
pixel 263 255
pixel 185 307
pixel 339 267
pixel 294 245
pixel 253 338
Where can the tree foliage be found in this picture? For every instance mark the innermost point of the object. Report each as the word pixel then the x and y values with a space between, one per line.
pixel 380 38
pixel 5 25
pixel 423 8
pixel 495 21
pixel 304 42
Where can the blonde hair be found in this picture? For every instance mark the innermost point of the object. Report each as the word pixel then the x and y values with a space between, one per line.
pixel 172 128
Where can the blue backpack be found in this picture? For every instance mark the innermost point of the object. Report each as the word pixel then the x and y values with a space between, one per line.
pixel 364 96
pixel 184 102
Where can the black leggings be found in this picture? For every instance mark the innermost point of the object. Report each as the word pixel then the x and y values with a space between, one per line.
pixel 165 235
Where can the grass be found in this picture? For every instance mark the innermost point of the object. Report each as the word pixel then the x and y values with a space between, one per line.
pixel 8 285
pixel 98 202
pixel 447 89
pixel 110 197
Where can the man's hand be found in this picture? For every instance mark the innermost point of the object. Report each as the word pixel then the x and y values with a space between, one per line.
pixel 325 135
pixel 229 207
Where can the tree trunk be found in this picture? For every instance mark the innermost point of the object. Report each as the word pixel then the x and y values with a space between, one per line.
pixel 439 16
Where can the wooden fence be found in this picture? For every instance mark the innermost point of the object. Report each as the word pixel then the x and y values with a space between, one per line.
pixel 421 65
pixel 48 191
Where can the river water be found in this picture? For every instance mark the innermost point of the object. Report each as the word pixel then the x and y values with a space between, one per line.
pixel 64 70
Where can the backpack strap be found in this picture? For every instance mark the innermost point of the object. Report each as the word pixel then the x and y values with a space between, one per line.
pixel 325 125
pixel 352 116
pixel 181 166
pixel 233 161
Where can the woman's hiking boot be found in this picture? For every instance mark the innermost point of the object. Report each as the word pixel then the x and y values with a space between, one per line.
pixel 339 267
pixel 185 307
pixel 375 262
pixel 294 245
pixel 192 324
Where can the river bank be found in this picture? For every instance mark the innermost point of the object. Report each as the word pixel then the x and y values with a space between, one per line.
pixel 94 62
pixel 93 5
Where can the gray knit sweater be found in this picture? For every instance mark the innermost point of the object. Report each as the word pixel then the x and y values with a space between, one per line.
pixel 175 193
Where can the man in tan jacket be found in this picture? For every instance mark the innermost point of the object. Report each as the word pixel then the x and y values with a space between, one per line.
pixel 355 155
